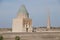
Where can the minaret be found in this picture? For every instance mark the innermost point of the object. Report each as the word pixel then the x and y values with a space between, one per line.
pixel 48 22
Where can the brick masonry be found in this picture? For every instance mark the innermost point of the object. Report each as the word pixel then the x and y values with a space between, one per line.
pixel 32 35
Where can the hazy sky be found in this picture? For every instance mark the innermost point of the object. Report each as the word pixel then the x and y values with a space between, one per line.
pixel 36 8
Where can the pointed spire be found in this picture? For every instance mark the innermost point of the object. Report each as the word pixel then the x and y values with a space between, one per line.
pixel 23 10
pixel 48 24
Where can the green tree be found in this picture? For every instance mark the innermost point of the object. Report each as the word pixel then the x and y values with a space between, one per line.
pixel 17 38
pixel 1 37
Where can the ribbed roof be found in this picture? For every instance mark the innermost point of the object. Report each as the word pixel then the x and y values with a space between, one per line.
pixel 23 10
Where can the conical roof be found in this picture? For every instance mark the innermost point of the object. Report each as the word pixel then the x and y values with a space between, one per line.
pixel 23 10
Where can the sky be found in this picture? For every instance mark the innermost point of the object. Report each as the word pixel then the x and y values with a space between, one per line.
pixel 37 9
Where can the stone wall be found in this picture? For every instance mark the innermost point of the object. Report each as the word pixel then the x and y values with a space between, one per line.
pixel 5 29
pixel 40 29
pixel 37 29
pixel 32 36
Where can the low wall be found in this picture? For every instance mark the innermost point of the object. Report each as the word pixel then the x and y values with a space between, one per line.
pixel 32 36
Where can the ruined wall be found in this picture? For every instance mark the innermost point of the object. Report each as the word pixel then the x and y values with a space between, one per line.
pixel 40 29
pixel 5 30
pixel 32 36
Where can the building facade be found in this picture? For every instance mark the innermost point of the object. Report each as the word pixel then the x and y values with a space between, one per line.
pixel 22 23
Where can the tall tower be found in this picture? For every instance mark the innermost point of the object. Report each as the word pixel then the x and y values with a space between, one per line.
pixel 22 23
pixel 48 22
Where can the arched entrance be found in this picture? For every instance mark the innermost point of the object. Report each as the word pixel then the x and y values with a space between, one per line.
pixel 26 29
